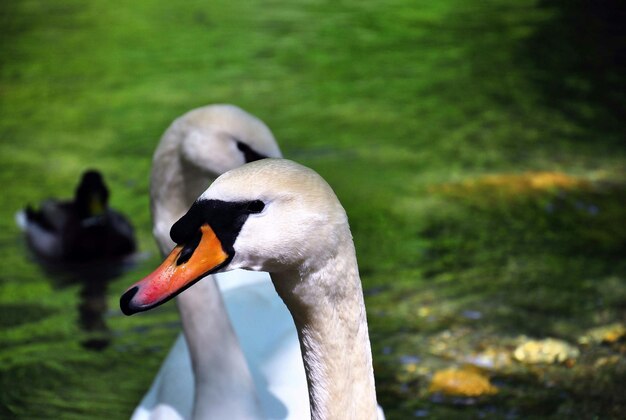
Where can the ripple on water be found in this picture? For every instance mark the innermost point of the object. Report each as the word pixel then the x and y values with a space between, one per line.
pixel 16 314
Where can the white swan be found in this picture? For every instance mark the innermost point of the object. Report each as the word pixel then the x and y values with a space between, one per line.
pixel 218 381
pixel 277 216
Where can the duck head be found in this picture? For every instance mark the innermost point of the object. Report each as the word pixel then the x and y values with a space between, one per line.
pixel 92 196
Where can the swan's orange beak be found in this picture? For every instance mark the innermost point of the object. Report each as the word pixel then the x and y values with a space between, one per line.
pixel 178 272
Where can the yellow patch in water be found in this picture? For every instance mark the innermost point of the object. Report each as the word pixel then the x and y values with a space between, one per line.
pixel 527 182
pixel 604 334
pixel 462 383
pixel 548 350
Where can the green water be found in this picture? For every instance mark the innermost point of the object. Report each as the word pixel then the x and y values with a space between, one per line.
pixel 404 107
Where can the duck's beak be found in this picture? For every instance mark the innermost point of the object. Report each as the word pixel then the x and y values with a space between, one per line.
pixel 179 271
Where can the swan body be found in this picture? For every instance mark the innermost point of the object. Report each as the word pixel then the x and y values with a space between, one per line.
pixel 79 230
pixel 277 216
pixel 243 376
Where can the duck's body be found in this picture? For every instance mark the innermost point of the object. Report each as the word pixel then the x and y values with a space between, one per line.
pixel 246 380
pixel 80 230
pixel 277 216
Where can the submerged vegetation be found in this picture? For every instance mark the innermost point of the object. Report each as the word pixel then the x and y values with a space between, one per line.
pixel 507 260
pixel 478 148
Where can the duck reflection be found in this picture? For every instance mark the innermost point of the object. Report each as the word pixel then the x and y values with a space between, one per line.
pixel 92 307
pixel 82 241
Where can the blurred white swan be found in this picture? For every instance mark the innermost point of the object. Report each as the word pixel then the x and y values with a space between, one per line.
pixel 251 368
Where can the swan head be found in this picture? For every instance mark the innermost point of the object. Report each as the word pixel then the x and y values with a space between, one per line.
pixel 219 138
pixel 271 215
pixel 195 149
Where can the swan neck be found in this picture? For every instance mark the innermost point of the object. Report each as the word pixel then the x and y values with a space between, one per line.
pixel 223 384
pixel 174 186
pixel 334 339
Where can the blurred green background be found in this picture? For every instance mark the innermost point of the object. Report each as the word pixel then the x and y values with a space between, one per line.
pixel 478 147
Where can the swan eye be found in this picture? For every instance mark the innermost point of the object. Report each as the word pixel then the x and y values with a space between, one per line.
pixel 255 206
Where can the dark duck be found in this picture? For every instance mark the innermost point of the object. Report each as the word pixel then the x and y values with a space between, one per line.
pixel 80 230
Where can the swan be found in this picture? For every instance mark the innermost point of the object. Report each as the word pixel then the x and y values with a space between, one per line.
pixel 277 216
pixel 78 230
pixel 241 378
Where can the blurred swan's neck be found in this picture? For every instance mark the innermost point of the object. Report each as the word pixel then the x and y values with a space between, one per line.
pixel 328 309
pixel 174 186
pixel 223 384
